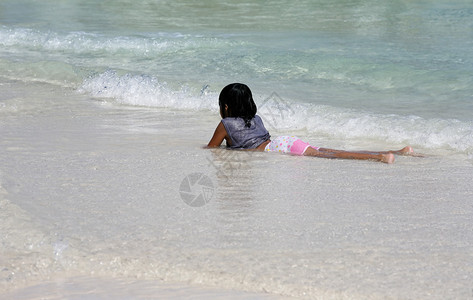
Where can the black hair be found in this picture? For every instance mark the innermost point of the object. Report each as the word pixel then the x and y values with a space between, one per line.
pixel 239 100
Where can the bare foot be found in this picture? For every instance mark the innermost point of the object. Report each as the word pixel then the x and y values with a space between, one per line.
pixel 387 158
pixel 405 151
pixel 408 151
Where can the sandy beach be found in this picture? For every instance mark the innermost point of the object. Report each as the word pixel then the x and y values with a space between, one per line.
pixel 92 194
pixel 107 190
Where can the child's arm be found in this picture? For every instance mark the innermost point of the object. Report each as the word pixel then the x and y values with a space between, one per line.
pixel 219 135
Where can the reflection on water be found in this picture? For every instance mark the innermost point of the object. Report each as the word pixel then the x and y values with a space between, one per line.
pixel 237 182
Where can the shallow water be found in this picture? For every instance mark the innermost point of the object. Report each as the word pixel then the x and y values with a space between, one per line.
pixel 343 67
pixel 105 107
pixel 101 196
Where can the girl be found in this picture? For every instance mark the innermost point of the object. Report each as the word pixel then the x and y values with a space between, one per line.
pixel 241 128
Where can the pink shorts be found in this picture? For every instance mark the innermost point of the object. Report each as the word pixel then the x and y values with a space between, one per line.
pixel 288 144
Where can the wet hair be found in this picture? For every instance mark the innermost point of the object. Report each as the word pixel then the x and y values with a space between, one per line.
pixel 239 100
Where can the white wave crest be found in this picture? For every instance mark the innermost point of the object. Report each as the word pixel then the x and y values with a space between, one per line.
pixel 282 115
pixel 142 90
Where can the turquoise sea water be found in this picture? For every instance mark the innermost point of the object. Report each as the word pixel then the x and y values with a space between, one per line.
pixel 352 69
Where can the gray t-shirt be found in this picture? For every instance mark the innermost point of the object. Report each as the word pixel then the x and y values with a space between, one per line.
pixel 243 137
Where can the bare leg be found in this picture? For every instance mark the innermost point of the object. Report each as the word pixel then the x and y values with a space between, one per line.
pixel 386 157
pixel 404 151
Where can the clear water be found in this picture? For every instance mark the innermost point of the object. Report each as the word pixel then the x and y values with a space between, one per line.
pixel 356 68
pixel 91 188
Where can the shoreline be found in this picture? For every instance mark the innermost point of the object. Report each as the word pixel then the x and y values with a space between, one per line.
pixel 94 188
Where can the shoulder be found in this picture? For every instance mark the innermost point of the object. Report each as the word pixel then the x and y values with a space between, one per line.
pixel 221 127
pixel 219 135
pixel 231 122
pixel 258 120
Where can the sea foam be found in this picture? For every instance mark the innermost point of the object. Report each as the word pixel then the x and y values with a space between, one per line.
pixel 281 115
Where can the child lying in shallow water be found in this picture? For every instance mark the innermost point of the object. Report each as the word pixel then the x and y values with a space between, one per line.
pixel 241 128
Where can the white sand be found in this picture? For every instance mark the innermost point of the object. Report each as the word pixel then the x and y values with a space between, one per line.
pixel 90 192
pixel 108 288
